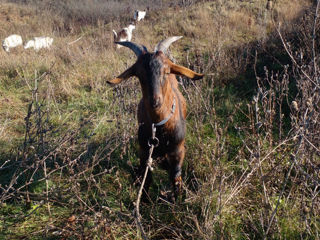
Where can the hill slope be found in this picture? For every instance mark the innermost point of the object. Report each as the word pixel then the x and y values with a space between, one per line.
pixel 68 149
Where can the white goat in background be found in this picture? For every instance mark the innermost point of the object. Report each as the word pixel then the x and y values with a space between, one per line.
pixel 11 41
pixel 124 35
pixel 139 15
pixel 39 42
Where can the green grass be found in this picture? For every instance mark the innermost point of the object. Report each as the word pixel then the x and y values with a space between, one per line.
pixel 86 131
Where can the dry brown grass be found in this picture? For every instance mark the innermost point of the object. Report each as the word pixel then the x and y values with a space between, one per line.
pixel 292 9
pixel 234 170
pixel 213 29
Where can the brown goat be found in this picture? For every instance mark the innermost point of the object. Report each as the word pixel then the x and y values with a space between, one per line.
pixel 163 105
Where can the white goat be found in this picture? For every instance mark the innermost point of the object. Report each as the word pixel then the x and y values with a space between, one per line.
pixel 11 41
pixel 139 15
pixel 39 42
pixel 124 35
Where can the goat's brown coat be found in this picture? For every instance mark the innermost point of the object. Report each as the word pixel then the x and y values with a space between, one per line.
pixel 156 106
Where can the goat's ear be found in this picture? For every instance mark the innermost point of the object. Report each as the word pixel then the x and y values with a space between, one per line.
pixel 123 76
pixel 183 71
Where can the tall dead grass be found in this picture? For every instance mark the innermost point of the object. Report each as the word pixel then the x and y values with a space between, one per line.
pixel 252 153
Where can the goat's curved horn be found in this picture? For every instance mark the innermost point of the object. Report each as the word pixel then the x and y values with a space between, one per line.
pixel 136 48
pixel 165 44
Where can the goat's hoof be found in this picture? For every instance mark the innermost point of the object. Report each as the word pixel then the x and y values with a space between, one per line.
pixel 177 185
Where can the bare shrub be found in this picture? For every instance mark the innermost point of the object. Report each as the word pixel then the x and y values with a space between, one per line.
pixel 63 166
pixel 270 186
pixel 252 164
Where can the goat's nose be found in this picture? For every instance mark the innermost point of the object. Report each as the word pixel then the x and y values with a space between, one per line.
pixel 156 102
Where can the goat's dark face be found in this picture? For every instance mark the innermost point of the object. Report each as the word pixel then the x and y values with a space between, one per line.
pixel 154 70
pixel 153 77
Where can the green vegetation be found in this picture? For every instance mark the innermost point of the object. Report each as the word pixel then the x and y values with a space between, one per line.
pixel 68 141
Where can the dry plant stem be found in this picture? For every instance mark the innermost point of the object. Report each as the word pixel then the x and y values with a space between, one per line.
pixel 2 128
pixel 257 125
pixel 259 147
pixel 311 144
pixel 47 186
pixel 44 162
pixel 70 43
pixel 294 61
pixel 313 41
pixel 283 188
pixel 137 214
pixel 244 178
pixel 7 194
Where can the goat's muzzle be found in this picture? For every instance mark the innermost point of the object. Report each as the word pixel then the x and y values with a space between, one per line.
pixel 155 102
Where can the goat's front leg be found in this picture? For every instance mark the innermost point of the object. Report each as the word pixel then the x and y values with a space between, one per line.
pixel 175 160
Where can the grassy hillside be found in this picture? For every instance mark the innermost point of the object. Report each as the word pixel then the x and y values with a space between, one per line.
pixel 68 143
